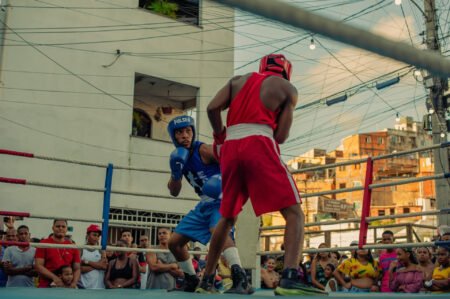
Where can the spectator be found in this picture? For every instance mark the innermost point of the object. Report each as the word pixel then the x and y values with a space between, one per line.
pixel 48 260
pixel 409 279
pixel 18 261
pixel 336 256
pixel 128 238
pixel 425 265
pixel 11 235
pixel 110 255
pixel 163 265
pixel 443 233
pixel 93 262
pixel 143 266
pixel 200 263
pixel 379 251
pixel 224 271
pixel 307 266
pixel 123 271
pixel 385 259
pixel 65 273
pixel 321 260
pixel 353 243
pixel 440 280
pixel 363 271
pixel 332 285
pixel 269 277
pixel 280 262
pixel 3 276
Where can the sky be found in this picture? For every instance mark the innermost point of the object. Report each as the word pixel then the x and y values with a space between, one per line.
pixel 333 68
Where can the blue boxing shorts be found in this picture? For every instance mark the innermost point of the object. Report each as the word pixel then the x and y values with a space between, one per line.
pixel 196 224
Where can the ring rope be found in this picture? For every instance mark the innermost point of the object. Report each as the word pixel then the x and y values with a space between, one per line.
pixel 85 163
pixel 155 250
pixel 92 189
pixel 379 185
pixel 381 157
pixel 301 18
pixel 368 219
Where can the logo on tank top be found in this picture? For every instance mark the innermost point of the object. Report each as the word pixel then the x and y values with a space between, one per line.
pixel 196 180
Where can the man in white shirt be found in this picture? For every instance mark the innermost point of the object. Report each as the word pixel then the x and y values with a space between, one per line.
pixel 18 261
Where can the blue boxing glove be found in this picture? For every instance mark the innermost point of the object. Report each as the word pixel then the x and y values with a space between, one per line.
pixel 213 187
pixel 178 159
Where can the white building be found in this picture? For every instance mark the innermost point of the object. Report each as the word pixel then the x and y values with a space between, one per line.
pixel 73 72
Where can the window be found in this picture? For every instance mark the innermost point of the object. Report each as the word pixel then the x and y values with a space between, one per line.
pixel 342 185
pixel 356 183
pixel 368 140
pixel 405 210
pixel 342 168
pixel 357 166
pixel 156 102
pixel 369 154
pixel 380 140
pixel 140 222
pixel 394 139
pixel 392 211
pixel 381 212
pixel 182 10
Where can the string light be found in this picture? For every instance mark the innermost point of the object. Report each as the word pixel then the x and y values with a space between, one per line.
pixel 398 2
pixel 312 45
pixel 397 118
pixel 442 135
pixel 431 111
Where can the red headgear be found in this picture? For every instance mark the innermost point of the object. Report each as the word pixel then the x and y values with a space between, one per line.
pixel 276 63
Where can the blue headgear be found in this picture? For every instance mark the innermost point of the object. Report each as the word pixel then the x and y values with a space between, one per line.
pixel 180 122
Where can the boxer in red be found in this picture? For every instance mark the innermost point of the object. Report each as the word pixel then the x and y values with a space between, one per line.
pixel 260 115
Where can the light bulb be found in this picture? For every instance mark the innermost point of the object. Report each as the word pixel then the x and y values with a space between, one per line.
pixel 431 111
pixel 398 2
pixel 312 45
pixel 397 118
pixel 442 135
pixel 417 73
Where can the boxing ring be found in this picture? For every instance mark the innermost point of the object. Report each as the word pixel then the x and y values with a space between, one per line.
pixel 295 16
pixel 364 221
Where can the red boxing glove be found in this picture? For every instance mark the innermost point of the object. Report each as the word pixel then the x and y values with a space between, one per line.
pixel 219 139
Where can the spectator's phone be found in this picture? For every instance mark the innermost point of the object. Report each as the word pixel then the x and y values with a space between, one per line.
pixel 5 219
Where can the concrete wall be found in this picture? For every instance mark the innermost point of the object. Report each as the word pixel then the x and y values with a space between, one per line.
pixel 57 99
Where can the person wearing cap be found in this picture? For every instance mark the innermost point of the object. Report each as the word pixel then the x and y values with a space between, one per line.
pixel 197 162
pixel 93 262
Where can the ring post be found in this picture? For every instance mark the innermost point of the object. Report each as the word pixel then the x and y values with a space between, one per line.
pixel 365 212
pixel 106 205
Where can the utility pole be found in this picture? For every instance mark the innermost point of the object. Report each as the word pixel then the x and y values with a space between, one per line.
pixel 437 101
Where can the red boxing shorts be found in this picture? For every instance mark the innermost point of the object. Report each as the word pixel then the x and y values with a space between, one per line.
pixel 252 167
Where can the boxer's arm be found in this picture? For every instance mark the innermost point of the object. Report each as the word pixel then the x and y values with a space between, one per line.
pixel 174 187
pixel 207 154
pixel 219 103
pixel 286 115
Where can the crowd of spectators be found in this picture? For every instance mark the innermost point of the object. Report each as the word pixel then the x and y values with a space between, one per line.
pixel 400 270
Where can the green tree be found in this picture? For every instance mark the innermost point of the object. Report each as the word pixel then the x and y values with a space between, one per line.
pixel 164 7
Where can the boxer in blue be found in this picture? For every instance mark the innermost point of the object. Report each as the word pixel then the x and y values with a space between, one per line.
pixel 196 162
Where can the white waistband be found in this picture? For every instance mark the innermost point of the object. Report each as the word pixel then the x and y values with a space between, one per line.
pixel 245 130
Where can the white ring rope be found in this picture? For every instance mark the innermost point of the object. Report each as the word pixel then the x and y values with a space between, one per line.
pixel 300 18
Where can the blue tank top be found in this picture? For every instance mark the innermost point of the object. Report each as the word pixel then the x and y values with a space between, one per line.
pixel 197 173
